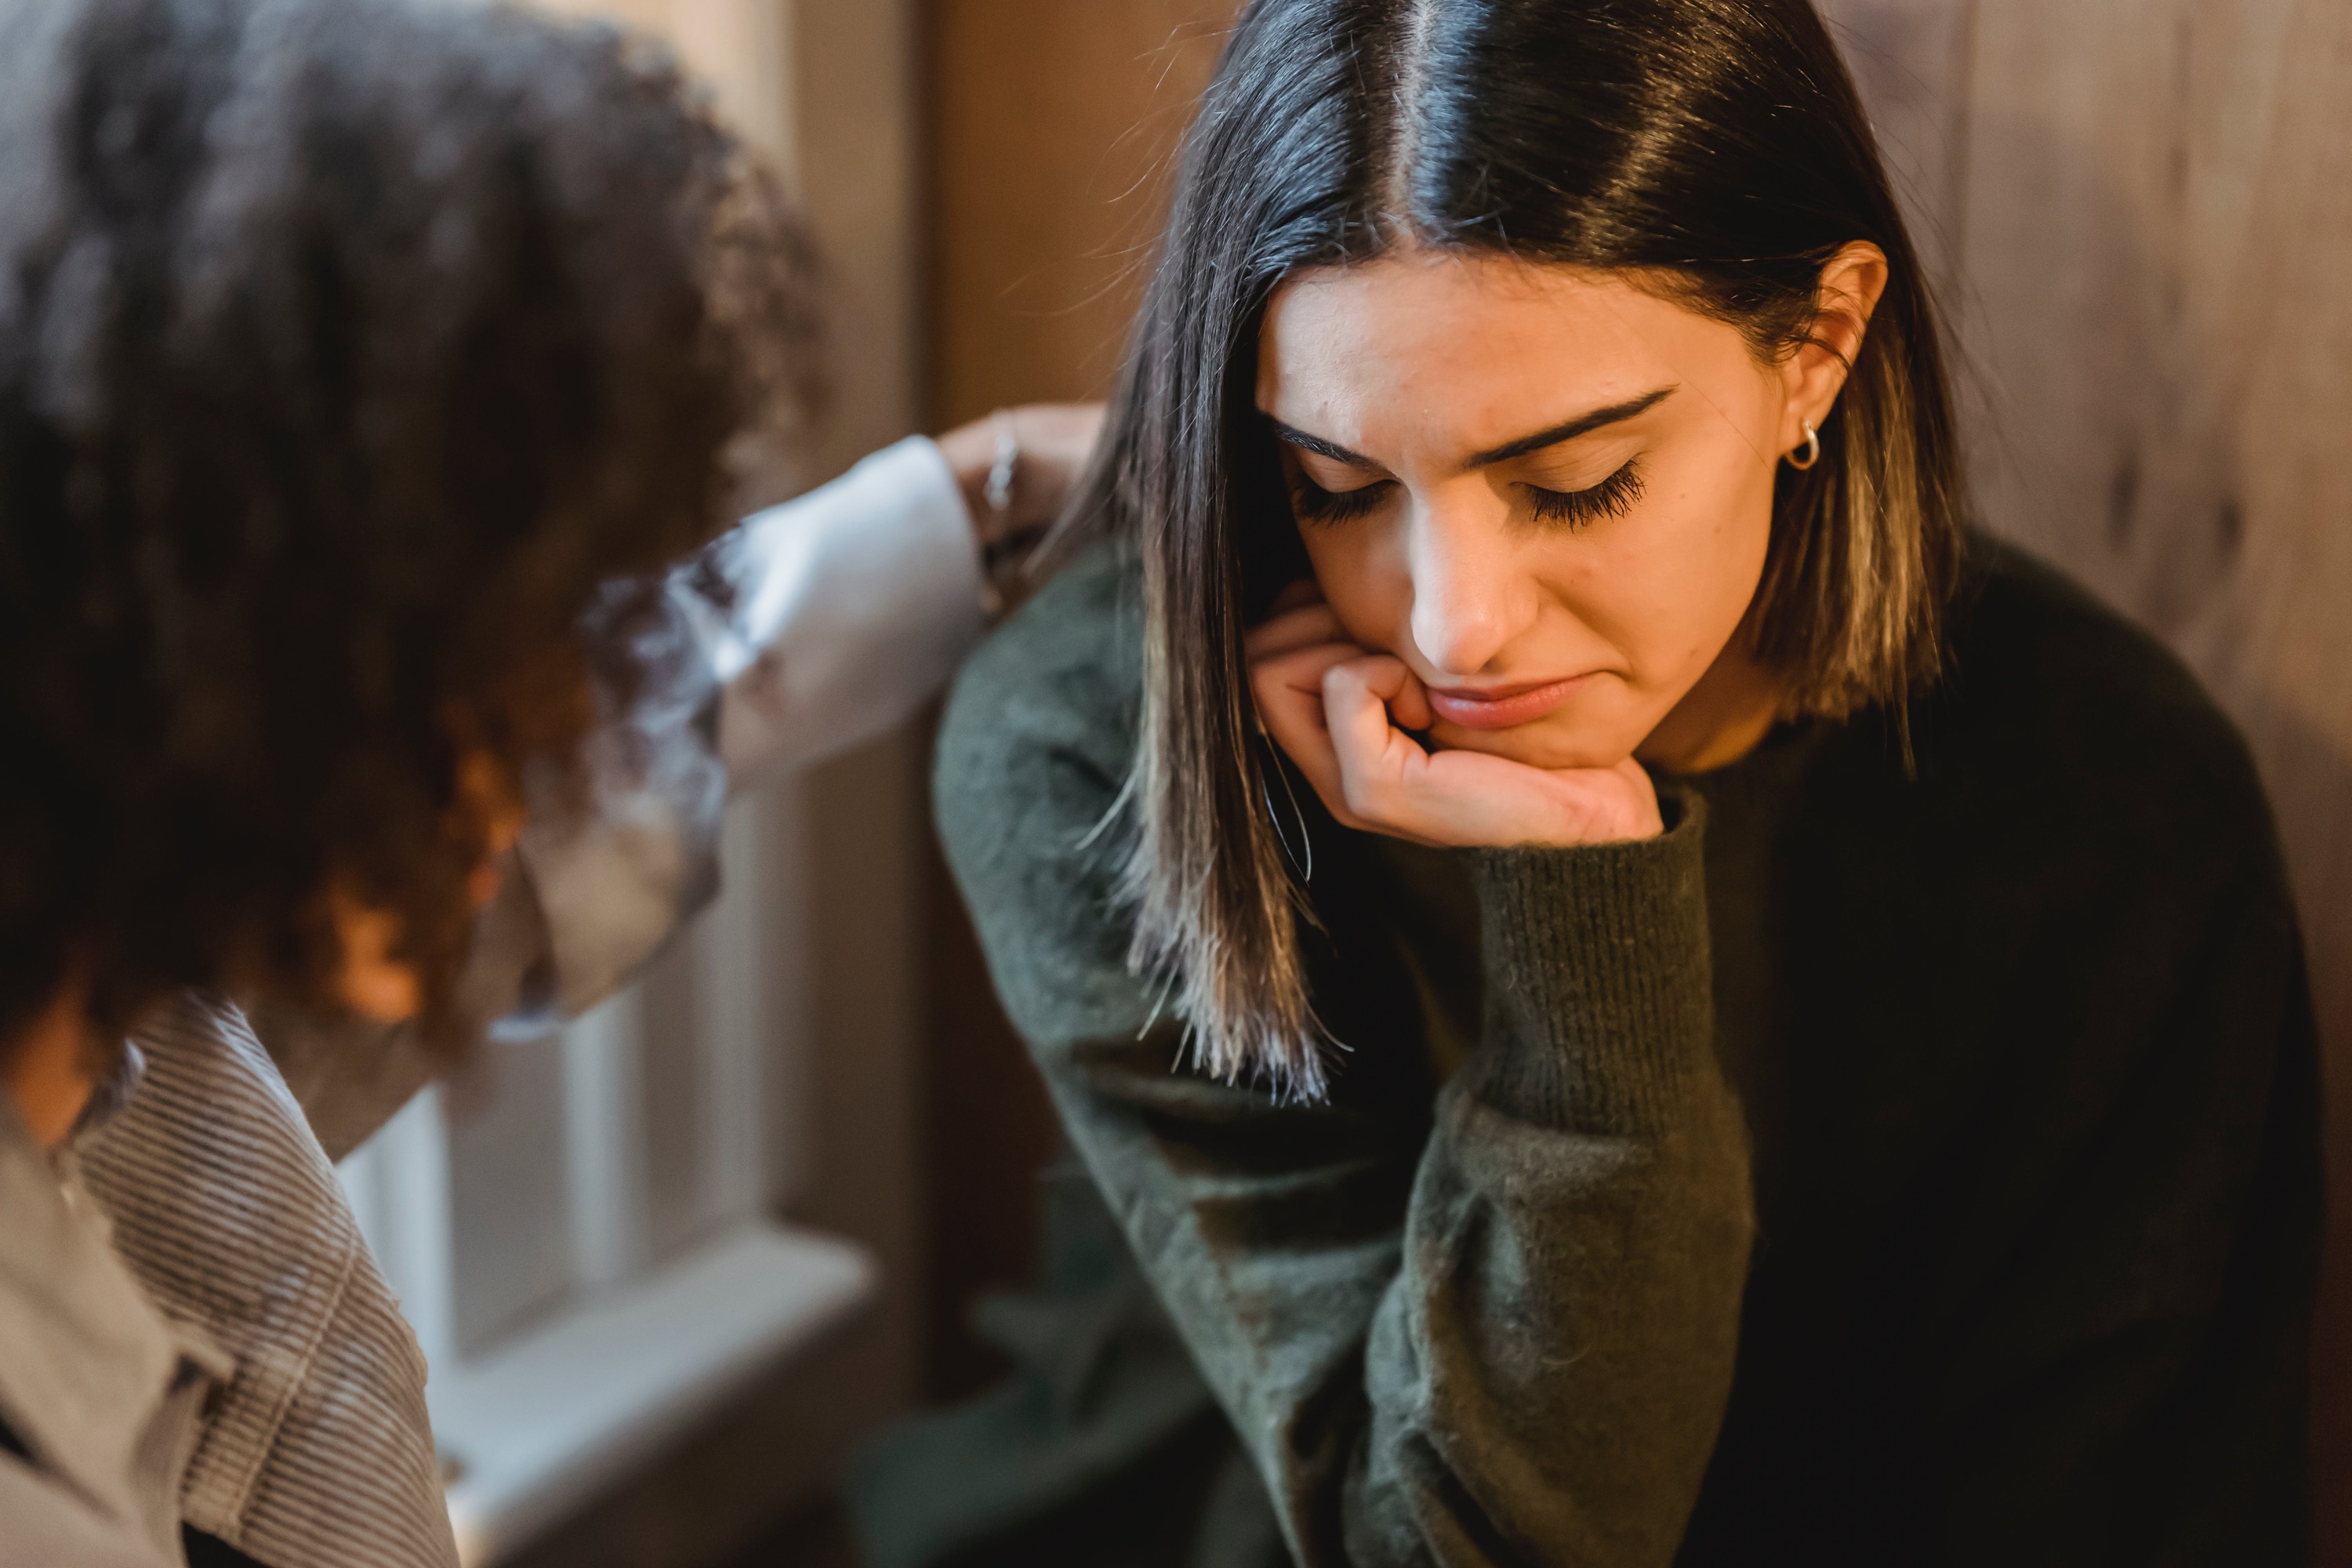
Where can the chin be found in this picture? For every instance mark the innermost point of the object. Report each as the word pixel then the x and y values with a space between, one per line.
pixel 1554 743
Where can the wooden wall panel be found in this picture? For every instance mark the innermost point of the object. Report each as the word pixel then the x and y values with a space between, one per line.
pixel 743 48
pixel 1052 121
pixel 1050 125
pixel 2146 212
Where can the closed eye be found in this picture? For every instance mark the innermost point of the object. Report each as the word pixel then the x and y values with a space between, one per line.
pixel 1313 503
pixel 1612 496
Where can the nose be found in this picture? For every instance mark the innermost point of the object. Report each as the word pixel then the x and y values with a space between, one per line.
pixel 1470 596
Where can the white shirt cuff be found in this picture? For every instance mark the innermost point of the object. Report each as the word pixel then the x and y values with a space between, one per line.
pixel 854 605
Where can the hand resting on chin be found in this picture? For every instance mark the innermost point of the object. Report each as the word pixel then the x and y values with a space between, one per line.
pixel 1343 715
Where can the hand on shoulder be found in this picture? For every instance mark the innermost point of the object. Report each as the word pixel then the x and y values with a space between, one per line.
pixel 1017 467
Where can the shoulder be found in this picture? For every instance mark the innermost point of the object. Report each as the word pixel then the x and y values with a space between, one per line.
pixel 1040 727
pixel 2101 723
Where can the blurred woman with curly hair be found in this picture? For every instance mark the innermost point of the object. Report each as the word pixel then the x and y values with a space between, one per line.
pixel 364 370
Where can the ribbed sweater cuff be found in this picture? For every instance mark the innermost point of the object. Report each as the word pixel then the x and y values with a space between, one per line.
pixel 1597 987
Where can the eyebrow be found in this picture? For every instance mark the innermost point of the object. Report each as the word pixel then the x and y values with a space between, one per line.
pixel 1569 430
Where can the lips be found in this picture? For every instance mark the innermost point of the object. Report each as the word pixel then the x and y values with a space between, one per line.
pixel 1500 708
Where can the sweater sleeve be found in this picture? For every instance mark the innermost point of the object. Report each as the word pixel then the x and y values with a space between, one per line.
pixel 1503 1333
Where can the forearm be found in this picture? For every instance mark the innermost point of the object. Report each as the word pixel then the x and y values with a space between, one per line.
pixel 1509 1340
pixel 851 606
pixel 810 628
pixel 855 603
pixel 1551 1370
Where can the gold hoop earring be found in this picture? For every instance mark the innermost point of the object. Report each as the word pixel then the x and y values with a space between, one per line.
pixel 1812 450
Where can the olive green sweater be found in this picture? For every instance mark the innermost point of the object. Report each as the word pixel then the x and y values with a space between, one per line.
pixel 1887 1164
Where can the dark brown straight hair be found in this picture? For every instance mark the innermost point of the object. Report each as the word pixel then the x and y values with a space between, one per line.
pixel 1714 148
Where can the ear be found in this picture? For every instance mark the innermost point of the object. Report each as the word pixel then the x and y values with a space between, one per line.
pixel 1850 286
pixel 373 982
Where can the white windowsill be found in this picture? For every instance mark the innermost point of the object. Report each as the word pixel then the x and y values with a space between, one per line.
pixel 538 1425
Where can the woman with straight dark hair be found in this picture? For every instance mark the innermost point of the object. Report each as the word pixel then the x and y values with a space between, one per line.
pixel 1639 993
pixel 376 377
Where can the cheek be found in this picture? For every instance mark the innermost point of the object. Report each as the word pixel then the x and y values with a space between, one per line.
pixel 1363 578
pixel 1669 587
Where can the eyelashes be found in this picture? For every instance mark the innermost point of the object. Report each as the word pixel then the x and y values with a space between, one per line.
pixel 1313 503
pixel 1612 496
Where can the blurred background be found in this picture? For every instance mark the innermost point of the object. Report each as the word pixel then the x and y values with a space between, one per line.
pixel 672 1263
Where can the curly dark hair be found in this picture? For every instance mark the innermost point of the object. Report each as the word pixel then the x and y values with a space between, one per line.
pixel 346 347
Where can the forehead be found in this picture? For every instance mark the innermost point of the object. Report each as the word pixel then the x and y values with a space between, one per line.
pixel 1472 350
